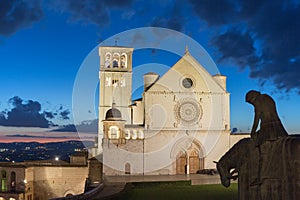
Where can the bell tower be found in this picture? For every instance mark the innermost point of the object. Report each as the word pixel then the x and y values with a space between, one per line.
pixel 115 77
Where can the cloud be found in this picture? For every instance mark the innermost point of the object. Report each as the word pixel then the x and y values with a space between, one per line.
pixel 64 114
pixel 49 115
pixel 29 114
pixel 36 136
pixel 237 47
pixel 89 126
pixel 267 42
pixel 117 3
pixel 15 15
pixel 127 15
pixel 173 18
pixel 214 12
pixel 61 113
pixel 18 14
pixel 89 12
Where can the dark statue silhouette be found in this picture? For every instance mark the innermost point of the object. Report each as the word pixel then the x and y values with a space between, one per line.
pixel 267 164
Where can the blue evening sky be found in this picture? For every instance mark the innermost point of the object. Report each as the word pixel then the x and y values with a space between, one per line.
pixel 255 44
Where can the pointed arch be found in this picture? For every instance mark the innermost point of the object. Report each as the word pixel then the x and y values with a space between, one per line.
pixel 184 144
pixel 189 155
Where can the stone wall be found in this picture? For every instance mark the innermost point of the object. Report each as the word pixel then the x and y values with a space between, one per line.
pixel 58 181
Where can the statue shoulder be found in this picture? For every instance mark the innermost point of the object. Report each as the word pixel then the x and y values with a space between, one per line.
pixel 264 98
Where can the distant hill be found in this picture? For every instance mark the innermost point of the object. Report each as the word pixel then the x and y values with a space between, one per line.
pixel 23 151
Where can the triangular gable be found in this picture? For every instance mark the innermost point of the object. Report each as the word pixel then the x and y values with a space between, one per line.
pixel 188 67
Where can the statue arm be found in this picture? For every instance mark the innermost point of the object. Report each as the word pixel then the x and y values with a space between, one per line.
pixel 255 123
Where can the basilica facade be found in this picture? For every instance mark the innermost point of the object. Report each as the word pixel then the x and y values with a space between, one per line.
pixel 179 126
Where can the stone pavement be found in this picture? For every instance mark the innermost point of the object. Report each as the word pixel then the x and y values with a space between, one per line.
pixel 109 190
pixel 196 179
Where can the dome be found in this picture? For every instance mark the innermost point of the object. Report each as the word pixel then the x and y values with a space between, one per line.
pixel 113 114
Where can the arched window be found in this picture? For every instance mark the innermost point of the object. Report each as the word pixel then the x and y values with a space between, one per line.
pixel 141 134
pixel 3 181
pixel 134 134
pixel 13 181
pixel 115 64
pixel 107 60
pixel 114 132
pixel 127 134
pixel 116 60
pixel 123 60
pixel 127 168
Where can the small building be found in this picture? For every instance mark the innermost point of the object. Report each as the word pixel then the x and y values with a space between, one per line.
pixel 41 180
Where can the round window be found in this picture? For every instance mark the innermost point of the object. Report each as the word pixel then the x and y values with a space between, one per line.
pixel 187 82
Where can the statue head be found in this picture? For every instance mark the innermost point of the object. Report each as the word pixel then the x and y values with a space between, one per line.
pixel 224 174
pixel 251 96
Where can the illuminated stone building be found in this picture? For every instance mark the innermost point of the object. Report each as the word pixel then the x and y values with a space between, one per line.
pixel 179 126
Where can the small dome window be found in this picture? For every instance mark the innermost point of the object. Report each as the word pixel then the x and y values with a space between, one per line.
pixel 114 132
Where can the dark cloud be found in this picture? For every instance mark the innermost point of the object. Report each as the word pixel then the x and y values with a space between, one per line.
pixel 237 47
pixel 64 114
pixel 272 27
pixel 66 128
pixel 49 115
pixel 215 12
pixel 28 114
pixel 36 136
pixel 173 18
pixel 89 126
pixel 118 3
pixel 234 130
pixel 16 14
pixel 86 11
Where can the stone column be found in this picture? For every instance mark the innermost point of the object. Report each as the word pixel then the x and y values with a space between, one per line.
pixel 188 164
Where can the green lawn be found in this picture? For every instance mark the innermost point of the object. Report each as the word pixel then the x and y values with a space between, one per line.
pixel 182 192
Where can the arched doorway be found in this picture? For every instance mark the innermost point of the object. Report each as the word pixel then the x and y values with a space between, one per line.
pixel 127 168
pixel 190 158
pixel 194 162
pixel 181 163
pixel 189 163
pixel 13 181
